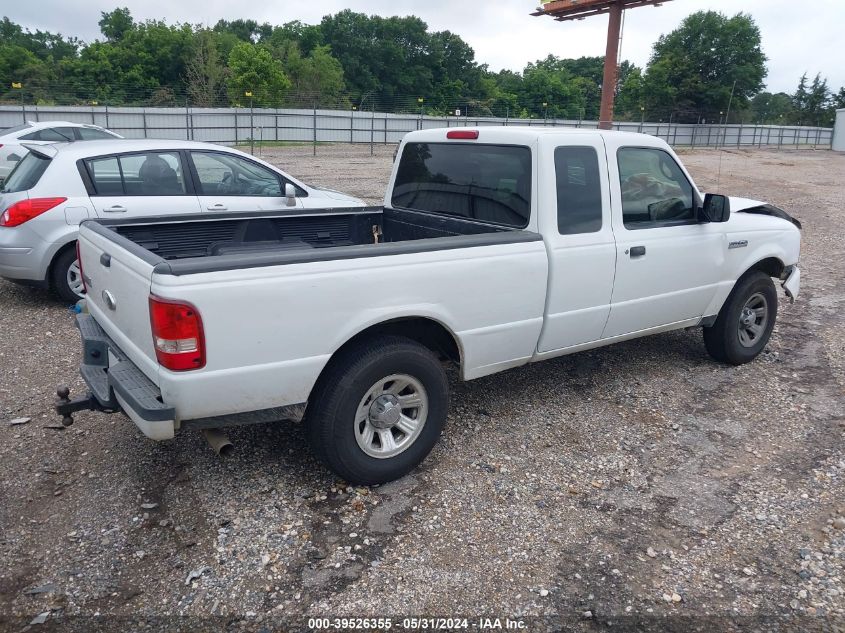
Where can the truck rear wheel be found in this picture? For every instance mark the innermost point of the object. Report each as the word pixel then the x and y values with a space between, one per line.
pixel 745 322
pixel 378 410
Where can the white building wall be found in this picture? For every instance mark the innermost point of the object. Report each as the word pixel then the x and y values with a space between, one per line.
pixel 839 131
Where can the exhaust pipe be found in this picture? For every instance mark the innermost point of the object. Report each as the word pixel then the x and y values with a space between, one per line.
pixel 219 442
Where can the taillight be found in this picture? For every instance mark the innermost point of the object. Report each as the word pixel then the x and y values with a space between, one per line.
pixel 177 334
pixel 79 263
pixel 25 210
pixel 462 134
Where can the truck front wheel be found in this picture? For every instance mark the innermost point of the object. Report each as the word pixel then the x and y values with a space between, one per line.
pixel 378 410
pixel 745 322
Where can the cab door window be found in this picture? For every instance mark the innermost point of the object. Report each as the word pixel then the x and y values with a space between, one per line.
pixel 578 190
pixel 655 192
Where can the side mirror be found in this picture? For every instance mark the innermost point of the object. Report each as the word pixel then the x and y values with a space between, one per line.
pixel 717 208
pixel 290 195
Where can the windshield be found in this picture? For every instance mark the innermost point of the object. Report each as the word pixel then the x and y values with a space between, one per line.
pixel 26 173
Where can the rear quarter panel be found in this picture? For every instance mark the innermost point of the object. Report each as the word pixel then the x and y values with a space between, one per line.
pixel 270 331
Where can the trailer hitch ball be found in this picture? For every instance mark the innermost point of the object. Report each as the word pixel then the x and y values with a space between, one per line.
pixel 63 392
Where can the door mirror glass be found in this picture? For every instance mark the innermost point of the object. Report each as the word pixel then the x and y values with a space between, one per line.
pixel 717 208
pixel 290 195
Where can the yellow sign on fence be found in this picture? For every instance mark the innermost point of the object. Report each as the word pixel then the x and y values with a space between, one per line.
pixel 17 84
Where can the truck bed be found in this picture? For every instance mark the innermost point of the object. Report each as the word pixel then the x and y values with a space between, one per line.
pixel 190 244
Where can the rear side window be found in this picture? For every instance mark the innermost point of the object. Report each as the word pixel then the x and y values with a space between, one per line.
pixel 92 134
pixel 144 174
pixel 490 183
pixel 26 173
pixel 578 190
pixel 105 172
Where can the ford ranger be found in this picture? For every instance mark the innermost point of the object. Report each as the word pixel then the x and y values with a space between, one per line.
pixel 495 247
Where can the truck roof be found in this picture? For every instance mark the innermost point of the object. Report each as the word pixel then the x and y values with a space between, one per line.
pixel 525 135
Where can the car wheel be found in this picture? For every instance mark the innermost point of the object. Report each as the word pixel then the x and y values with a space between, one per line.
pixel 66 277
pixel 745 322
pixel 378 410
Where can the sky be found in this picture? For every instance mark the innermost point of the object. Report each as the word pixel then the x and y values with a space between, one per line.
pixel 502 32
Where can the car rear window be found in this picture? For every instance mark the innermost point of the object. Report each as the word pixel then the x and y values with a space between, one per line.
pixel 491 183
pixel 51 134
pixel 26 173
pixel 14 128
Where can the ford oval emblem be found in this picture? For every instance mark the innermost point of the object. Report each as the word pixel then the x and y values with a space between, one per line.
pixel 109 300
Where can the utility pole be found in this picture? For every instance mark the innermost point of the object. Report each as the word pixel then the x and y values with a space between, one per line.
pixel 422 111
pixel 248 93
pixel 565 10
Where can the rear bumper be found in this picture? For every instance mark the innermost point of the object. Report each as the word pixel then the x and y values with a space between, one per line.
pixel 23 255
pixel 118 384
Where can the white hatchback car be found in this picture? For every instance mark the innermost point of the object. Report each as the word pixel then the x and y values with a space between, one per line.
pixel 42 133
pixel 55 187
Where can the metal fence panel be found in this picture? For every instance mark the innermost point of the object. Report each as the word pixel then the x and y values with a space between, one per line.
pixel 317 125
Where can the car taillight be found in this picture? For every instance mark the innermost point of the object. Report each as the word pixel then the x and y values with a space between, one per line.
pixel 177 334
pixel 25 210
pixel 79 263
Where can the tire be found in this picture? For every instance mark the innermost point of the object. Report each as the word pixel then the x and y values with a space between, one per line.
pixel 737 336
pixel 64 277
pixel 354 406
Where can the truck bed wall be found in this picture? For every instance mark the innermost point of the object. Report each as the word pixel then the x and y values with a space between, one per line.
pixel 207 236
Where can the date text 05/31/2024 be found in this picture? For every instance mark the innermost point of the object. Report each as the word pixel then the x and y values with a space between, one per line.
pixel 417 624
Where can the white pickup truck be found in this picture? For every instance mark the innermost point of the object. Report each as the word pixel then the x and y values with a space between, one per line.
pixel 495 247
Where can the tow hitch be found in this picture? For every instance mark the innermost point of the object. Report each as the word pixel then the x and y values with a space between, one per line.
pixel 66 407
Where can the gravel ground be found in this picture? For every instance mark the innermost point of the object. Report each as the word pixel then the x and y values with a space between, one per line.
pixel 640 485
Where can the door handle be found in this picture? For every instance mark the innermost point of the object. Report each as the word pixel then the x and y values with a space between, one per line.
pixel 115 209
pixel 217 207
pixel 637 251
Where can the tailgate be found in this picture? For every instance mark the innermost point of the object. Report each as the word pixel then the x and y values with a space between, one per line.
pixel 118 283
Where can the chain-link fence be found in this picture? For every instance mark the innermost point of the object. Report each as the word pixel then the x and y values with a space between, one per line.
pixel 233 126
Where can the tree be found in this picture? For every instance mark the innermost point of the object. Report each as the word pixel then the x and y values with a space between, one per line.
pixel 839 99
pixel 205 73
pixel 812 105
pixel 317 78
pixel 818 102
pixel 630 97
pixel 694 69
pixel 253 69
pixel 244 30
pixel 116 24
pixel 768 108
